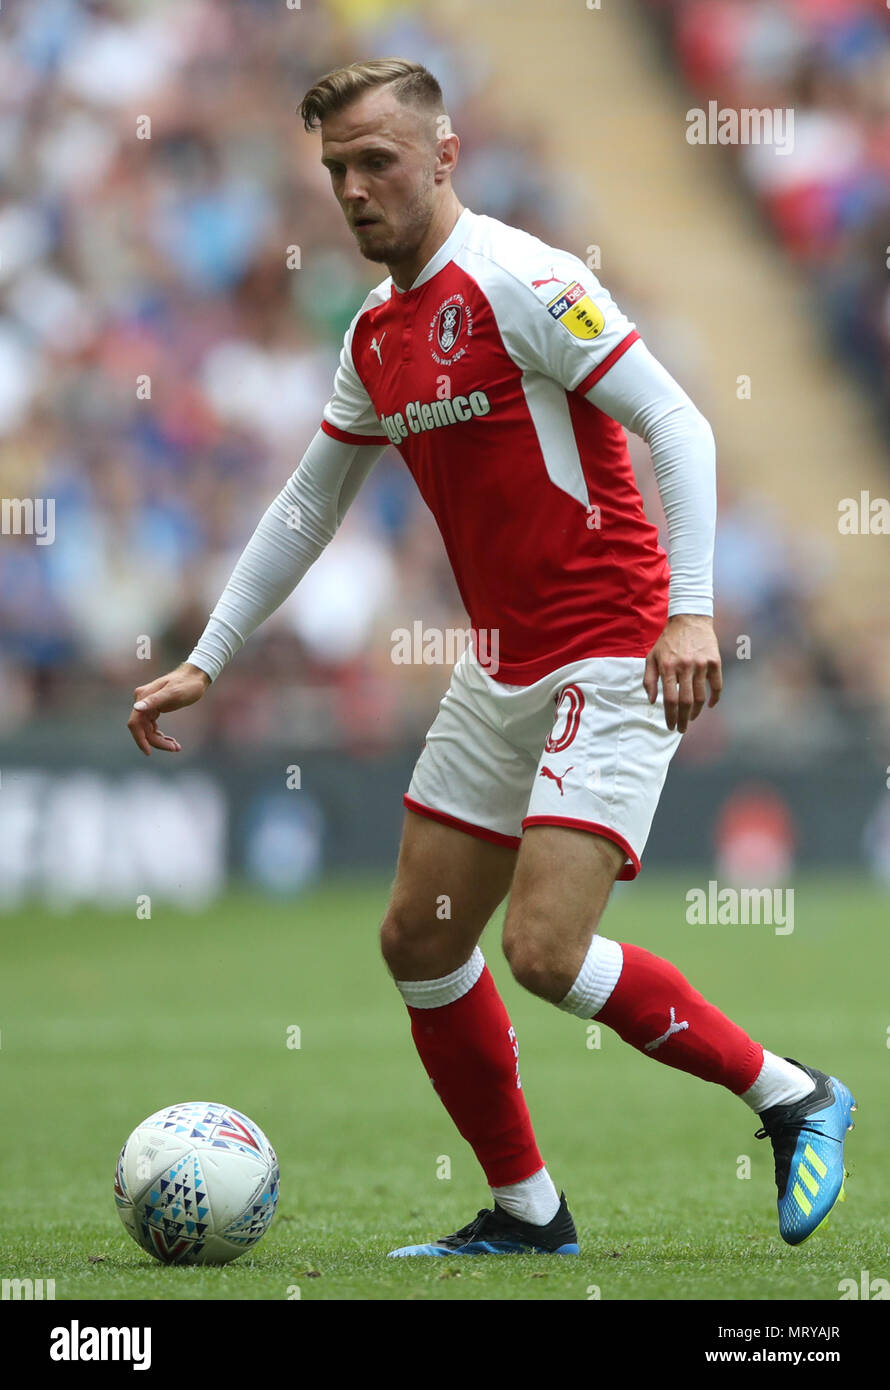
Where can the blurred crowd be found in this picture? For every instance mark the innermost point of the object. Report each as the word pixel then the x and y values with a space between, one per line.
pixel 829 203
pixel 176 278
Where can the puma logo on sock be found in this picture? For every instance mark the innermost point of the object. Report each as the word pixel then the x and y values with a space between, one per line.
pixel 675 1027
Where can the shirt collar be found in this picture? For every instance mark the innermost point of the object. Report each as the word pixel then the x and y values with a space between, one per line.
pixel 443 255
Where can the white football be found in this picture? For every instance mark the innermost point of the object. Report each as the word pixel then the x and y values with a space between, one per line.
pixel 197 1184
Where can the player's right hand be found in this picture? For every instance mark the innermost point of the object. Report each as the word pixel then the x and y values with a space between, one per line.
pixel 179 688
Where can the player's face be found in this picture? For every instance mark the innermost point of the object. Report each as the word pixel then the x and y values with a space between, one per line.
pixel 382 158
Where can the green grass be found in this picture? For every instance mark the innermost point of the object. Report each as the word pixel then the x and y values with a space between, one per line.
pixel 106 1018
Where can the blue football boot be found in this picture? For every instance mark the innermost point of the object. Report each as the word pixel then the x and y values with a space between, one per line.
pixel 808 1145
pixel 498 1233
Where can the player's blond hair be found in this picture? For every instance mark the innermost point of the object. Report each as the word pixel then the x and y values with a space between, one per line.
pixel 412 85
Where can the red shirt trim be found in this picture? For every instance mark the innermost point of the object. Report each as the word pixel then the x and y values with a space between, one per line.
pixel 593 377
pixel 346 438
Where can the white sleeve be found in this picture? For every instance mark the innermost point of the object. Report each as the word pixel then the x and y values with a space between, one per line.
pixel 290 536
pixel 640 394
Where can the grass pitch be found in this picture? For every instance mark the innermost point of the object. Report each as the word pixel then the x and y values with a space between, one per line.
pixel 106 1018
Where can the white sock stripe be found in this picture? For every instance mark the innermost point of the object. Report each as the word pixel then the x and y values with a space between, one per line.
pixel 433 994
pixel 597 978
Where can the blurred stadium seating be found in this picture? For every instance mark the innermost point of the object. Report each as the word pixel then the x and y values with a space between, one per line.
pixel 829 205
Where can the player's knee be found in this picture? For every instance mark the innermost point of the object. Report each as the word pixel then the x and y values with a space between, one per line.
pixel 536 964
pixel 398 940
pixel 411 946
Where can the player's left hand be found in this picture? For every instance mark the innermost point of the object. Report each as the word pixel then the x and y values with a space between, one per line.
pixel 687 658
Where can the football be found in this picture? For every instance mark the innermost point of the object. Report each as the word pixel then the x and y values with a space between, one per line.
pixel 196 1184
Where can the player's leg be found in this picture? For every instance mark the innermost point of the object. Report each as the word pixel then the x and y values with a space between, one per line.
pixel 619 756
pixel 448 883
pixel 562 881
pixel 446 887
pixel 589 815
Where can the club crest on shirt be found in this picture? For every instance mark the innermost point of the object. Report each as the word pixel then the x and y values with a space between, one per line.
pixel 577 313
pixel 450 327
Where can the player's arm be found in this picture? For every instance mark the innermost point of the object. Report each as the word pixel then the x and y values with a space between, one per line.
pixel 295 529
pixel 640 394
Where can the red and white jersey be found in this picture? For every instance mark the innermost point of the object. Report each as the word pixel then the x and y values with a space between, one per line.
pixel 478 375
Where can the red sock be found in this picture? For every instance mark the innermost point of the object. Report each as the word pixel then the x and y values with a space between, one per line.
pixel 471 1056
pixel 654 1008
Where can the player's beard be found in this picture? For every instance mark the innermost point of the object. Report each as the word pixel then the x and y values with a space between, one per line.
pixel 403 244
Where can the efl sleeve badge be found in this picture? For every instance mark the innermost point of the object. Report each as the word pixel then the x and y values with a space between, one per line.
pixel 577 313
